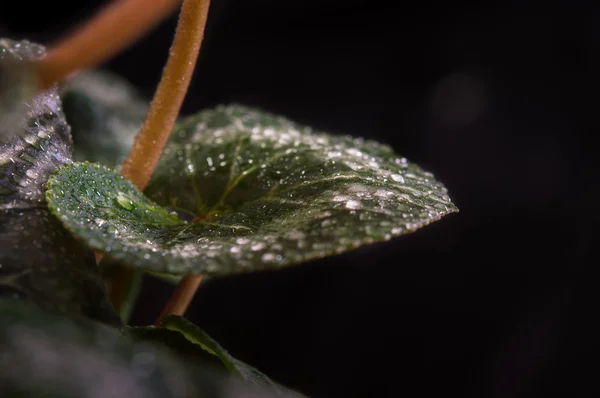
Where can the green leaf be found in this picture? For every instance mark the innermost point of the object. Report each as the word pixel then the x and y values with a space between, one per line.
pixel 52 355
pixel 199 337
pixel 35 140
pixel 42 262
pixel 123 284
pixel 262 192
pixel 178 344
pixel 172 279
pixel 105 113
pixel 188 340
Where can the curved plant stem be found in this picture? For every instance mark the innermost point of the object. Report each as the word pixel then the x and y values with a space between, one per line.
pixel 162 114
pixel 96 41
pixel 165 105
pixel 181 297
pixel 113 29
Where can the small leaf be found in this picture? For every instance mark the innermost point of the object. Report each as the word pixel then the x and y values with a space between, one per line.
pixel 123 285
pixel 52 355
pixel 172 279
pixel 42 262
pixel 105 113
pixel 176 342
pixel 259 192
pixel 38 139
pixel 199 337
pixel 189 341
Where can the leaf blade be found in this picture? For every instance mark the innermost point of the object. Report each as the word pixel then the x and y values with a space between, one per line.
pixel 259 192
pixel 188 340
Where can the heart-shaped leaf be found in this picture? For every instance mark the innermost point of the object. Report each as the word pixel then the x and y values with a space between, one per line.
pixel 51 355
pixel 105 113
pixel 37 139
pixel 42 262
pixel 258 192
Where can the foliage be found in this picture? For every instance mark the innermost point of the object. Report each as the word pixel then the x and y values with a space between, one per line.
pixel 236 190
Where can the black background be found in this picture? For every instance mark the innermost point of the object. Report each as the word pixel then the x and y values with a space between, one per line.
pixel 500 101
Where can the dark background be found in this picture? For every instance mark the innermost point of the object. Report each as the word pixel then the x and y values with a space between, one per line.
pixel 500 101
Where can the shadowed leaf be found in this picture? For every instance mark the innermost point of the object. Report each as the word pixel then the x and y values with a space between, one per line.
pixel 52 355
pixel 42 262
pixel 199 337
pixel 105 113
pixel 191 342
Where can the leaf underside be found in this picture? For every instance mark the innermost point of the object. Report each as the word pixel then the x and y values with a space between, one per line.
pixel 255 191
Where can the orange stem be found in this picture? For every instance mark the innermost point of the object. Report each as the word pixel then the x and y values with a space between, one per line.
pixel 181 298
pixel 162 114
pixel 96 41
pixel 164 108
pixel 110 31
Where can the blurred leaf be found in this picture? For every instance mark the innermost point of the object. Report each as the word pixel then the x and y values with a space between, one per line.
pixel 199 337
pixel 105 113
pixel 34 136
pixel 261 192
pixel 39 259
pixel 123 285
pixel 179 345
pixel 51 355
pixel 18 81
pixel 172 279
pixel 42 262
pixel 191 342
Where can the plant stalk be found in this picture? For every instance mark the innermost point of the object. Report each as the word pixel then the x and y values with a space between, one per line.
pixel 114 28
pixel 96 41
pixel 110 31
pixel 164 108
pixel 181 297
pixel 162 114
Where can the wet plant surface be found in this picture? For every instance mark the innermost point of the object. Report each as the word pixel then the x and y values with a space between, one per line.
pixel 236 190
pixel 260 191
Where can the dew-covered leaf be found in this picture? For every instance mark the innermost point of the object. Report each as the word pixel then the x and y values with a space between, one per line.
pixel 42 262
pixel 257 190
pixel 52 355
pixel 105 113
pixel 35 137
